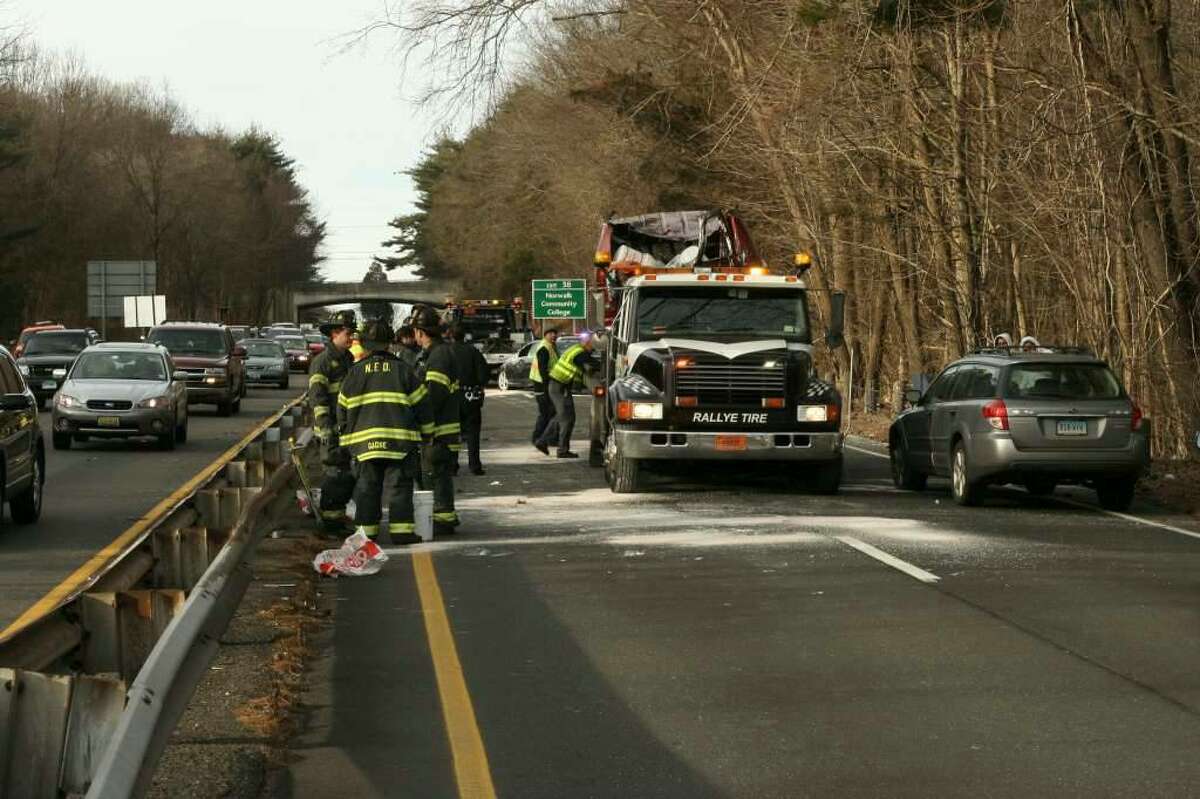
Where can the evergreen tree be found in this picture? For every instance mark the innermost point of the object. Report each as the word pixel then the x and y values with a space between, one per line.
pixel 411 241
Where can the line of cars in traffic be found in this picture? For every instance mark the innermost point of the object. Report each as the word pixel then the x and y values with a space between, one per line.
pixel 125 390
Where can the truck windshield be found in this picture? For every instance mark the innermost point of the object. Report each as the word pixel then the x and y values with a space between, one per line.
pixel 207 343
pixel 725 311
pixel 56 344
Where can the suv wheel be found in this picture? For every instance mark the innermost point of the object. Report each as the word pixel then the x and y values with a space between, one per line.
pixel 27 506
pixel 236 405
pixel 965 490
pixel 1116 493
pixel 904 476
pixel 61 440
pixel 502 381
pixel 181 432
pixel 224 408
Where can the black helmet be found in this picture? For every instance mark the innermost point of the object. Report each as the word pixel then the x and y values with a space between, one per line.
pixel 338 319
pixel 376 334
pixel 425 318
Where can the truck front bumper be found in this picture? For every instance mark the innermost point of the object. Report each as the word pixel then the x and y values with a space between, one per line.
pixel 650 445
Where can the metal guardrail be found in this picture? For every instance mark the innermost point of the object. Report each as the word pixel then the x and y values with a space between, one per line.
pixel 148 613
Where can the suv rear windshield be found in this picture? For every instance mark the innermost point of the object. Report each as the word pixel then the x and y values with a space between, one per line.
pixel 1066 381
pixel 56 344
pixel 264 349
pixel 734 311
pixel 120 366
pixel 204 343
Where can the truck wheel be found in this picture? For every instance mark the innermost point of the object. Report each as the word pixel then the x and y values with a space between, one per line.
pixel 224 408
pixel 828 477
pixel 966 491
pixel 62 440
pixel 904 476
pixel 1116 493
pixel 626 474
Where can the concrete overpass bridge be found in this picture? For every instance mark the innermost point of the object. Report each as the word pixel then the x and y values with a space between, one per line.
pixel 299 296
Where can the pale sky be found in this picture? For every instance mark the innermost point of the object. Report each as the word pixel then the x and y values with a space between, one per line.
pixel 273 63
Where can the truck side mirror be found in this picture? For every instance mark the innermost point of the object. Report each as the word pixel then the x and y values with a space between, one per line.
pixel 834 334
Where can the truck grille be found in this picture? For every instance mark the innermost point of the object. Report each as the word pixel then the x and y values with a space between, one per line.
pixel 194 375
pixel 42 371
pixel 732 383
pixel 109 405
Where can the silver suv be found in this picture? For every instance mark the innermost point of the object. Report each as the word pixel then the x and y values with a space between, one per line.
pixel 1056 415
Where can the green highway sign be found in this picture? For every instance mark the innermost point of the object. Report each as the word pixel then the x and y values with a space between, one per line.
pixel 560 299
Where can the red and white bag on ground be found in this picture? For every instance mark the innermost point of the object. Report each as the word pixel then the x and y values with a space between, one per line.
pixel 358 556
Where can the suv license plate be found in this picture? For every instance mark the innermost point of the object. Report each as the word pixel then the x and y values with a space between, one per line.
pixel 49 385
pixel 1072 427
pixel 731 443
pixel 109 421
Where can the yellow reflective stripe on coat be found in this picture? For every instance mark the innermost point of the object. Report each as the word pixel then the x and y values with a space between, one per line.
pixel 382 454
pixel 317 378
pixel 379 433
pixel 418 395
pixel 320 410
pixel 335 387
pixel 446 429
pixel 439 377
pixel 427 428
pixel 401 527
pixel 374 397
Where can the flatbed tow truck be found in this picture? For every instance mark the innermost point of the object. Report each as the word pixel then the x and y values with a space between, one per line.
pixel 708 356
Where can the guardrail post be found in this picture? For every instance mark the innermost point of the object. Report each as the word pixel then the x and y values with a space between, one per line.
pixel 253 451
pixel 33 726
pixel 272 448
pixel 96 706
pixel 235 474
pixel 166 547
pixel 193 556
pixel 208 505
pixel 231 506
pixel 256 473
pixel 123 627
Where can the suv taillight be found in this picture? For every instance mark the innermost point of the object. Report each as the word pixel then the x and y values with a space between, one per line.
pixel 1135 417
pixel 996 412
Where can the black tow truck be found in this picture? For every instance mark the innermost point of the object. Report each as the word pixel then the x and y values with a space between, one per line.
pixel 708 355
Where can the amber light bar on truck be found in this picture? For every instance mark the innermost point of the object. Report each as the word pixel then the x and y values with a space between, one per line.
pixel 720 277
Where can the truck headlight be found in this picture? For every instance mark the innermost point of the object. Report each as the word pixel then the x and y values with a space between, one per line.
pixel 812 413
pixel 24 369
pixel 639 410
pixel 59 373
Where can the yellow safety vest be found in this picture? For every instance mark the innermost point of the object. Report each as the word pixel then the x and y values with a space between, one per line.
pixel 535 371
pixel 356 349
pixel 565 370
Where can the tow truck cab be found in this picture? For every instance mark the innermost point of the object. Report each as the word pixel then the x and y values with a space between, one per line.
pixel 709 357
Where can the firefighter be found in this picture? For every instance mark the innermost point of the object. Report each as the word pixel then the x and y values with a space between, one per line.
pixel 473 374
pixel 441 380
pixel 566 372
pixel 406 345
pixel 325 376
pixel 382 409
pixel 545 353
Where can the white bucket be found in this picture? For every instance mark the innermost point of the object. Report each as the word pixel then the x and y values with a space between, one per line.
pixel 423 514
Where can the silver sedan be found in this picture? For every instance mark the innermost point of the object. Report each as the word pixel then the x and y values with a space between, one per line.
pixel 122 390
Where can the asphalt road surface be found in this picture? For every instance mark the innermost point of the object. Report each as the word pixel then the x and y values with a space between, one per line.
pixel 95 490
pixel 724 636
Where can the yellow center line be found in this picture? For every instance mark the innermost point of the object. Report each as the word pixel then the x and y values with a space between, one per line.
pixel 471 769
pixel 90 571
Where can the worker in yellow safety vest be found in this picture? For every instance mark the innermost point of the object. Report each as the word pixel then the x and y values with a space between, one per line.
pixel 325 376
pixel 545 354
pixel 566 372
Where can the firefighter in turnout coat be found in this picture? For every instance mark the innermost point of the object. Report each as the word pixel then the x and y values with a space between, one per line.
pixel 441 381
pixel 382 410
pixel 325 377
pixel 473 376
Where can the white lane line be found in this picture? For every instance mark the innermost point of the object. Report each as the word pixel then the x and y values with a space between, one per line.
pixel 890 560
pixel 1129 517
pixel 867 451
